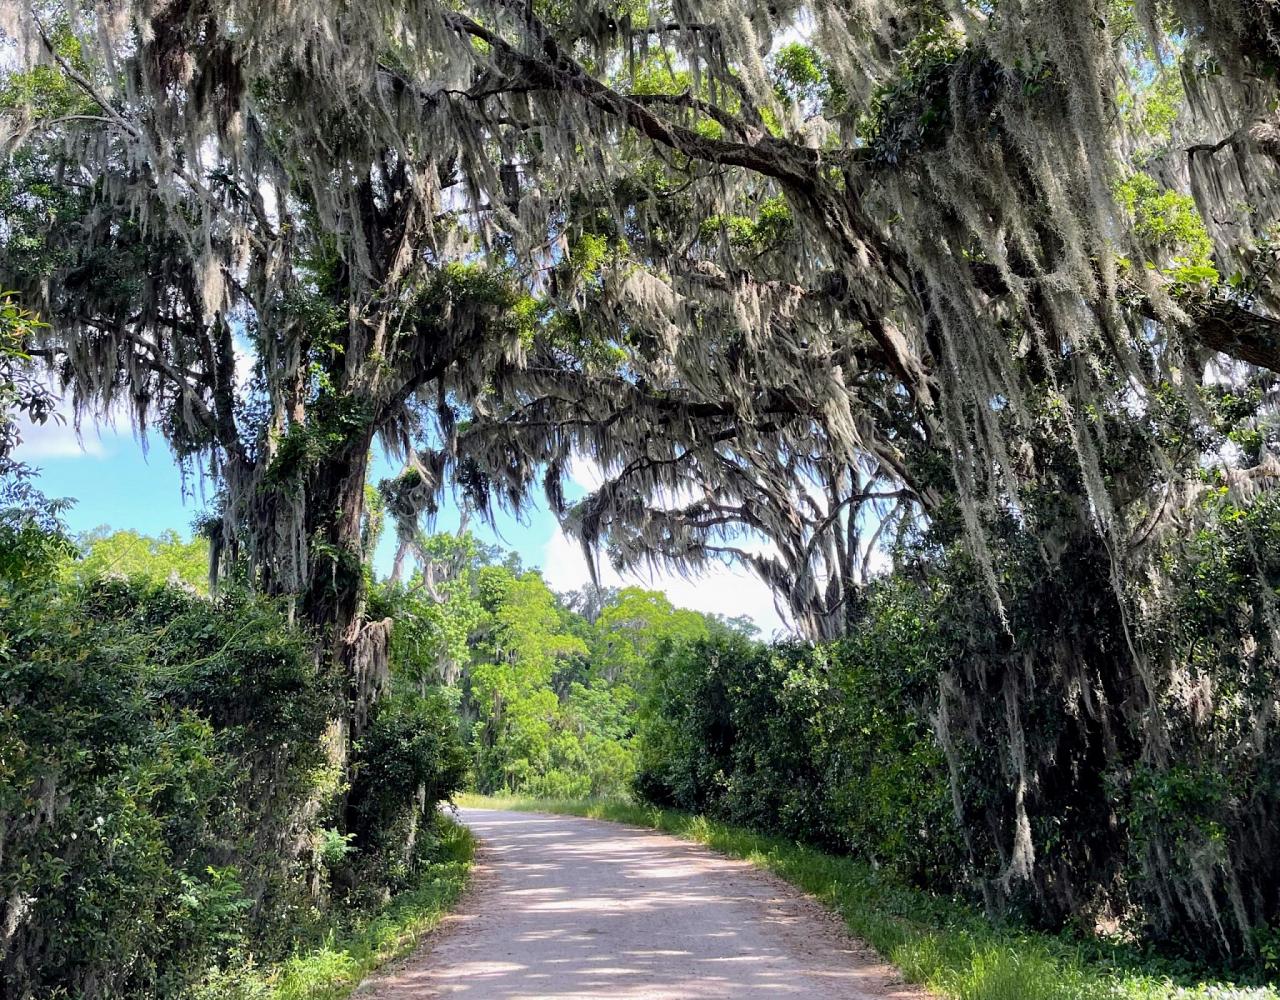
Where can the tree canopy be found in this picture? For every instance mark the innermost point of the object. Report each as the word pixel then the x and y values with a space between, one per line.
pixel 128 554
pixel 822 268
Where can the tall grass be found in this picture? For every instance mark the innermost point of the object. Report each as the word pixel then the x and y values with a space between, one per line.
pixel 936 941
pixel 333 970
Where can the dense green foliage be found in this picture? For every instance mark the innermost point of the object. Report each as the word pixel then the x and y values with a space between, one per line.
pixel 161 753
pixel 849 745
pixel 164 559
pixel 828 744
pixel 168 795
pixel 546 696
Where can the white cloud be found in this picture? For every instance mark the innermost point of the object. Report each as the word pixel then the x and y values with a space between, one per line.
pixel 58 436
pixel 585 473
pixel 724 590
pixel 56 439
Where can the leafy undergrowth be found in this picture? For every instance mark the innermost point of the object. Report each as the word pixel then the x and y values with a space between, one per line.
pixel 934 940
pixel 334 969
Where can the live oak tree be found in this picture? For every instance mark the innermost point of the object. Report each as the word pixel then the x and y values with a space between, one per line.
pixel 987 269
pixel 169 228
pixel 296 172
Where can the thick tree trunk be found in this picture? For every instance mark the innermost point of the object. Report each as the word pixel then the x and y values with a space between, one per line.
pixel 333 597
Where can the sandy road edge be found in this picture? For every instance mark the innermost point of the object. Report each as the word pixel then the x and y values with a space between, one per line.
pixel 481 881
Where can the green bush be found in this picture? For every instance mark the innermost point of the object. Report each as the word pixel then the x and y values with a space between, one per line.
pixel 826 744
pixel 159 751
pixel 168 802
pixel 408 759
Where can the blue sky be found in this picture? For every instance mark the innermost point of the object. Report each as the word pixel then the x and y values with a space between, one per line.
pixel 115 482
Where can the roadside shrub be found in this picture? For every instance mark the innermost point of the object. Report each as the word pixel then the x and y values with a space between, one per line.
pixel 409 758
pixel 160 754
pixel 887 780
pixel 825 744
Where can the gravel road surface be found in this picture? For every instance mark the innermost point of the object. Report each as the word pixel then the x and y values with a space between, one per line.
pixel 560 907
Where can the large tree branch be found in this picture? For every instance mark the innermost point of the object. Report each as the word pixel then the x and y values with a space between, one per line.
pixel 797 168
pixel 1217 323
pixel 1235 331
pixel 769 156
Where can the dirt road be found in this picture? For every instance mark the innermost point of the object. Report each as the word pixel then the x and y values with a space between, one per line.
pixel 562 907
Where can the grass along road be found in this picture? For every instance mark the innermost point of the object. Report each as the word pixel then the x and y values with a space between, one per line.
pixel 335 969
